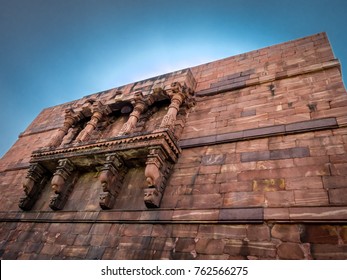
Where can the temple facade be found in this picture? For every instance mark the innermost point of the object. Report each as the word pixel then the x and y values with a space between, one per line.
pixel 240 158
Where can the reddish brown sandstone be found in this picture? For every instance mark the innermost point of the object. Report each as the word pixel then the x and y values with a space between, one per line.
pixel 241 158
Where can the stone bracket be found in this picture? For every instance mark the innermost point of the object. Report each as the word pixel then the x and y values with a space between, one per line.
pixel 62 183
pixel 111 179
pixel 35 181
pixel 157 171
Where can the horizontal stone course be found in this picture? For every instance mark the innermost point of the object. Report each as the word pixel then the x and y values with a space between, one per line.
pixel 311 125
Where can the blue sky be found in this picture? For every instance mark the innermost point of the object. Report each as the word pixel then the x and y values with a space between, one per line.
pixel 54 51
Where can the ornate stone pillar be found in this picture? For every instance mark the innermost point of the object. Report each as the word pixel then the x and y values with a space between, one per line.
pixel 70 119
pixel 98 111
pixel 177 97
pixel 62 183
pixel 139 106
pixel 33 184
pixel 156 172
pixel 111 178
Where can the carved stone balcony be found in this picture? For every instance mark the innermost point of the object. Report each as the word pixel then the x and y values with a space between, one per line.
pixel 148 138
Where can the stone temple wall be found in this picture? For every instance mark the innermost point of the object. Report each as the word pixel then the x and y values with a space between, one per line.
pixel 241 158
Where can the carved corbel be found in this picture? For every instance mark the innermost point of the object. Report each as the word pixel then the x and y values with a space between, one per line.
pixel 98 112
pixel 62 183
pixel 111 179
pixel 71 117
pixel 33 184
pixel 156 173
pixel 140 106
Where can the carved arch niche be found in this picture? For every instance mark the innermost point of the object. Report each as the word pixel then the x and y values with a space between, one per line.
pixel 151 127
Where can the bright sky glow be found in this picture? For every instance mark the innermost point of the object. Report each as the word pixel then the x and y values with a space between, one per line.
pixel 53 51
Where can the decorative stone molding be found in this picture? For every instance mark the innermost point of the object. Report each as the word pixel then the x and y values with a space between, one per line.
pixel 62 183
pixel 139 144
pixel 111 179
pixel 34 183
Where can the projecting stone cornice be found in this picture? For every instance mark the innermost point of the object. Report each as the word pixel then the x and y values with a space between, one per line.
pixel 121 145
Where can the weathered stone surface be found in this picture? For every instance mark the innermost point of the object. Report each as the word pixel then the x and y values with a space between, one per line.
pixel 215 159
pixel 311 197
pixel 290 251
pixel 310 125
pixel 318 213
pixel 245 248
pixel 193 215
pixel 185 245
pixel 95 253
pixel 184 230
pixel 241 215
pixel 258 233
pixel 161 230
pixel 75 252
pixel 329 252
pixel 255 156
pixel 210 246
pixel 320 234
pixel 333 182
pixel 135 242
pixel 286 232
pixel 162 244
pixel 338 196
pixel 243 199
pixel 222 231
pixel 296 152
pixel 279 198
pixel 212 257
pixel 200 201
pixel 276 214
pixel 268 185
pixel 343 234
pixel 137 230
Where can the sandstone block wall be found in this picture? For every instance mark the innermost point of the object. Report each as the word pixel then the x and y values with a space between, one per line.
pixel 262 172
